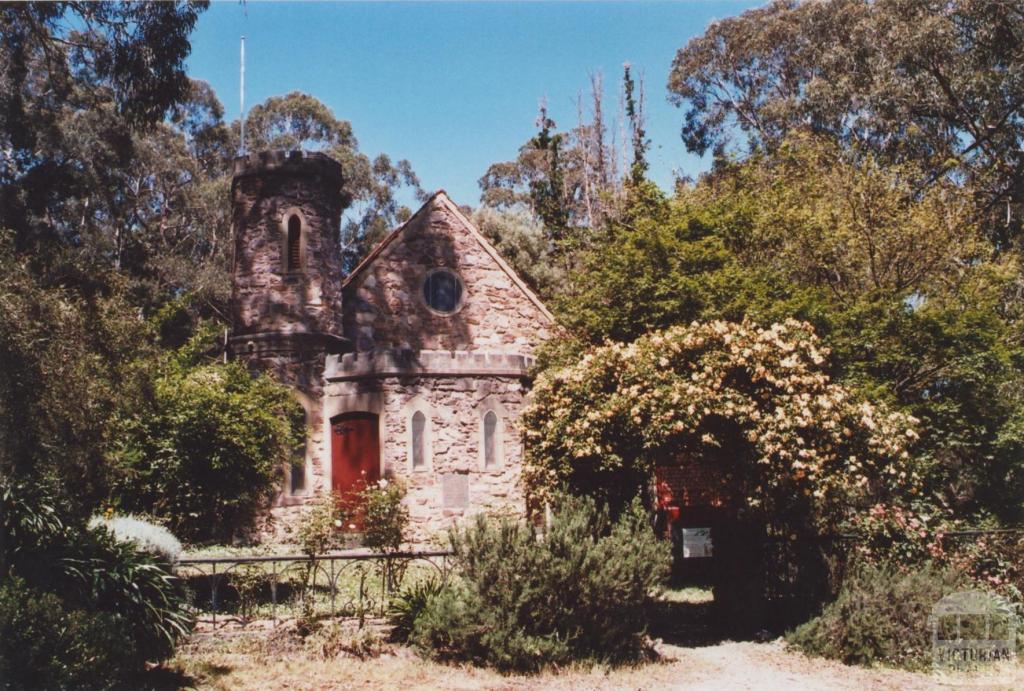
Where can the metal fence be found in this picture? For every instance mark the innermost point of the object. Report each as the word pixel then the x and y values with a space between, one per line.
pixel 358 583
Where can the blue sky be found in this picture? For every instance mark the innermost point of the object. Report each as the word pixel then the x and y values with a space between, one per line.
pixel 453 86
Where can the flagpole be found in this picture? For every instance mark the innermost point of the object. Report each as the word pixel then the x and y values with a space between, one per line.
pixel 241 106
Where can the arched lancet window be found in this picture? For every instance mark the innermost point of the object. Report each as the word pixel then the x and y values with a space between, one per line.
pixel 297 468
pixel 298 475
pixel 419 442
pixel 491 452
pixel 294 243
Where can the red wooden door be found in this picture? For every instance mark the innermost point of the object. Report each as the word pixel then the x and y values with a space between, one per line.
pixel 355 452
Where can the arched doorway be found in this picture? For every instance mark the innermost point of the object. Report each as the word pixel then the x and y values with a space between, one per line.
pixel 355 452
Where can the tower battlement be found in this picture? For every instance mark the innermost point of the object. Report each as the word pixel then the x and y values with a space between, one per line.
pixel 279 161
pixel 286 211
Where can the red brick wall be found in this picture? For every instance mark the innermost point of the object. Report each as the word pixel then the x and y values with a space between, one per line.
pixel 695 485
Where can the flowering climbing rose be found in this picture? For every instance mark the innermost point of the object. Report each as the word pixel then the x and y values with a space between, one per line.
pixel 761 393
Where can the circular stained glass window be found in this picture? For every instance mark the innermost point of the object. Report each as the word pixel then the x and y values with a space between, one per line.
pixel 442 291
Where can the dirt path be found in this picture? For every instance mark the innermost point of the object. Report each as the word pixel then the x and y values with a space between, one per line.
pixel 723 666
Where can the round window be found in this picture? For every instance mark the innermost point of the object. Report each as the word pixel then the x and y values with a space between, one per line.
pixel 443 291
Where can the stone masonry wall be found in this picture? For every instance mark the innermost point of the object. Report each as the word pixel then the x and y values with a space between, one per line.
pixel 267 189
pixel 286 319
pixel 384 305
pixel 454 407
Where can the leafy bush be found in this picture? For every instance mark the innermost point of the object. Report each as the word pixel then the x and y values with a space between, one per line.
pixel 880 616
pixel 994 561
pixel 95 606
pixel 249 581
pixel 146 536
pixel 523 601
pixel 387 516
pixel 105 574
pixel 900 537
pixel 406 607
pixel 319 529
pixel 43 645
pixel 69 360
pixel 207 455
pixel 757 402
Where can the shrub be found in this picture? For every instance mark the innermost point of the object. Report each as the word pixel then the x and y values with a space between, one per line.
pixel 44 645
pixel 249 581
pixel 320 527
pixel 880 616
pixel 103 574
pixel 207 454
pixel 98 608
pixel 795 446
pixel 147 537
pixel 408 604
pixel 994 561
pixel 387 517
pixel 523 601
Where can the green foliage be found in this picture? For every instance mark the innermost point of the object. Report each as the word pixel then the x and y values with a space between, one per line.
pixel 77 605
pixel 538 178
pixel 894 536
pixel 522 242
pixel 298 120
pixel 523 601
pixel 662 264
pixel 320 528
pixel 901 286
pixel 407 606
pixel 249 581
pixel 880 617
pixel 634 103
pixel 207 455
pixel 138 589
pixel 547 193
pixel 386 522
pixel 792 447
pixel 899 283
pixel 994 561
pixel 934 83
pixel 45 646
pixel 69 364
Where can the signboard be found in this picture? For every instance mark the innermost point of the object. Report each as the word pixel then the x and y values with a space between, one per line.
pixel 696 543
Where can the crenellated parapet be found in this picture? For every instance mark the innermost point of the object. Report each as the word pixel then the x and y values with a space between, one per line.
pixel 437 363
pixel 308 164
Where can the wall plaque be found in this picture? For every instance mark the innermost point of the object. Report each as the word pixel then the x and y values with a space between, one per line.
pixel 455 490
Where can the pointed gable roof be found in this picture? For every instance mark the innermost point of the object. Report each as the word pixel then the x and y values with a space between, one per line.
pixel 441 199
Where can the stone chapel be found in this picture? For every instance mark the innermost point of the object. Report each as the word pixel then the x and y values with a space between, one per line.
pixel 413 366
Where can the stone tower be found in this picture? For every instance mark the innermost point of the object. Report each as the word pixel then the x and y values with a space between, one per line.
pixel 286 270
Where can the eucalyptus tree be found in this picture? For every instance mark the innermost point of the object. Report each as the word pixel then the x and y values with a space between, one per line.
pixel 371 187
pixel 939 82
